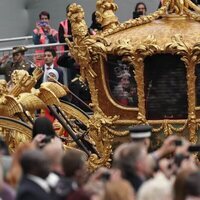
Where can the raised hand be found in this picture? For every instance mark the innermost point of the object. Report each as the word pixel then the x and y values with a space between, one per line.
pixel 4 59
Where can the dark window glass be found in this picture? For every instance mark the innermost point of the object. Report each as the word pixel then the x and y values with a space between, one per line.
pixel 165 87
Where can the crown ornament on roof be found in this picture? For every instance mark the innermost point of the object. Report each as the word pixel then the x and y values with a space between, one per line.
pixel 122 70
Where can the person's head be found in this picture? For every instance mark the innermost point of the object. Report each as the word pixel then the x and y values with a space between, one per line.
pixel 38 57
pixel 141 8
pixel 180 185
pixel 50 150
pixel 14 173
pixel 74 165
pixel 18 57
pixel 49 55
pixel 155 188
pixel 123 75
pixel 44 16
pixel 35 162
pixel 95 189
pixel 118 190
pixel 141 134
pixel 132 158
pixel 125 81
pixel 18 54
pixel 43 125
pixel 192 184
pixel 52 73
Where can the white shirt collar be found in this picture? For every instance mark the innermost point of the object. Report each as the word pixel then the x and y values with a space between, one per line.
pixel 39 181
pixel 52 179
pixel 46 66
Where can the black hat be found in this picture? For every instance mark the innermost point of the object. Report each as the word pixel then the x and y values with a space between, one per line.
pixel 140 131
pixel 19 49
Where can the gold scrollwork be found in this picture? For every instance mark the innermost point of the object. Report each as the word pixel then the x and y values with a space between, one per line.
pixel 97 49
pixel 166 128
pixel 86 52
pixel 169 128
pixel 102 136
pixel 180 129
pixel 139 21
pixel 189 57
pixel 157 130
pixel 14 132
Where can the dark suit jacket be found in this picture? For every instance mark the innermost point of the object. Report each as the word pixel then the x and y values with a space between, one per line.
pixel 29 190
pixel 60 73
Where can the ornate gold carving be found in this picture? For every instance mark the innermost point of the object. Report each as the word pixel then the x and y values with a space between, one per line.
pixel 23 82
pixel 147 48
pixel 190 58
pixel 177 6
pixel 8 104
pixel 19 96
pixel 139 21
pixel 81 48
pixel 98 49
pixel 48 97
pixel 123 48
pixel 140 42
pixel 105 14
pixel 102 136
pixel 14 132
pixel 76 16
pixel 168 128
pixel 195 13
pixel 30 102
pixel 58 89
pixel 87 52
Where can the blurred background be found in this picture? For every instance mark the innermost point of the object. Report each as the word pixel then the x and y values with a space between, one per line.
pixel 18 17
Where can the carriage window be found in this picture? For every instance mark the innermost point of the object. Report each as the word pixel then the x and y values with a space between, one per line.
pixel 165 87
pixel 121 82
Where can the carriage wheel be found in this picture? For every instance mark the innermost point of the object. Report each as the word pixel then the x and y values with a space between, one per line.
pixel 14 132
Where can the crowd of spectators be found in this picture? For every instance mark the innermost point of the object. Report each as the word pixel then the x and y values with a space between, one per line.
pixel 45 169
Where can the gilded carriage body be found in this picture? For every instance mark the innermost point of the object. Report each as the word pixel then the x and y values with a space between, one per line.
pixel 160 53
